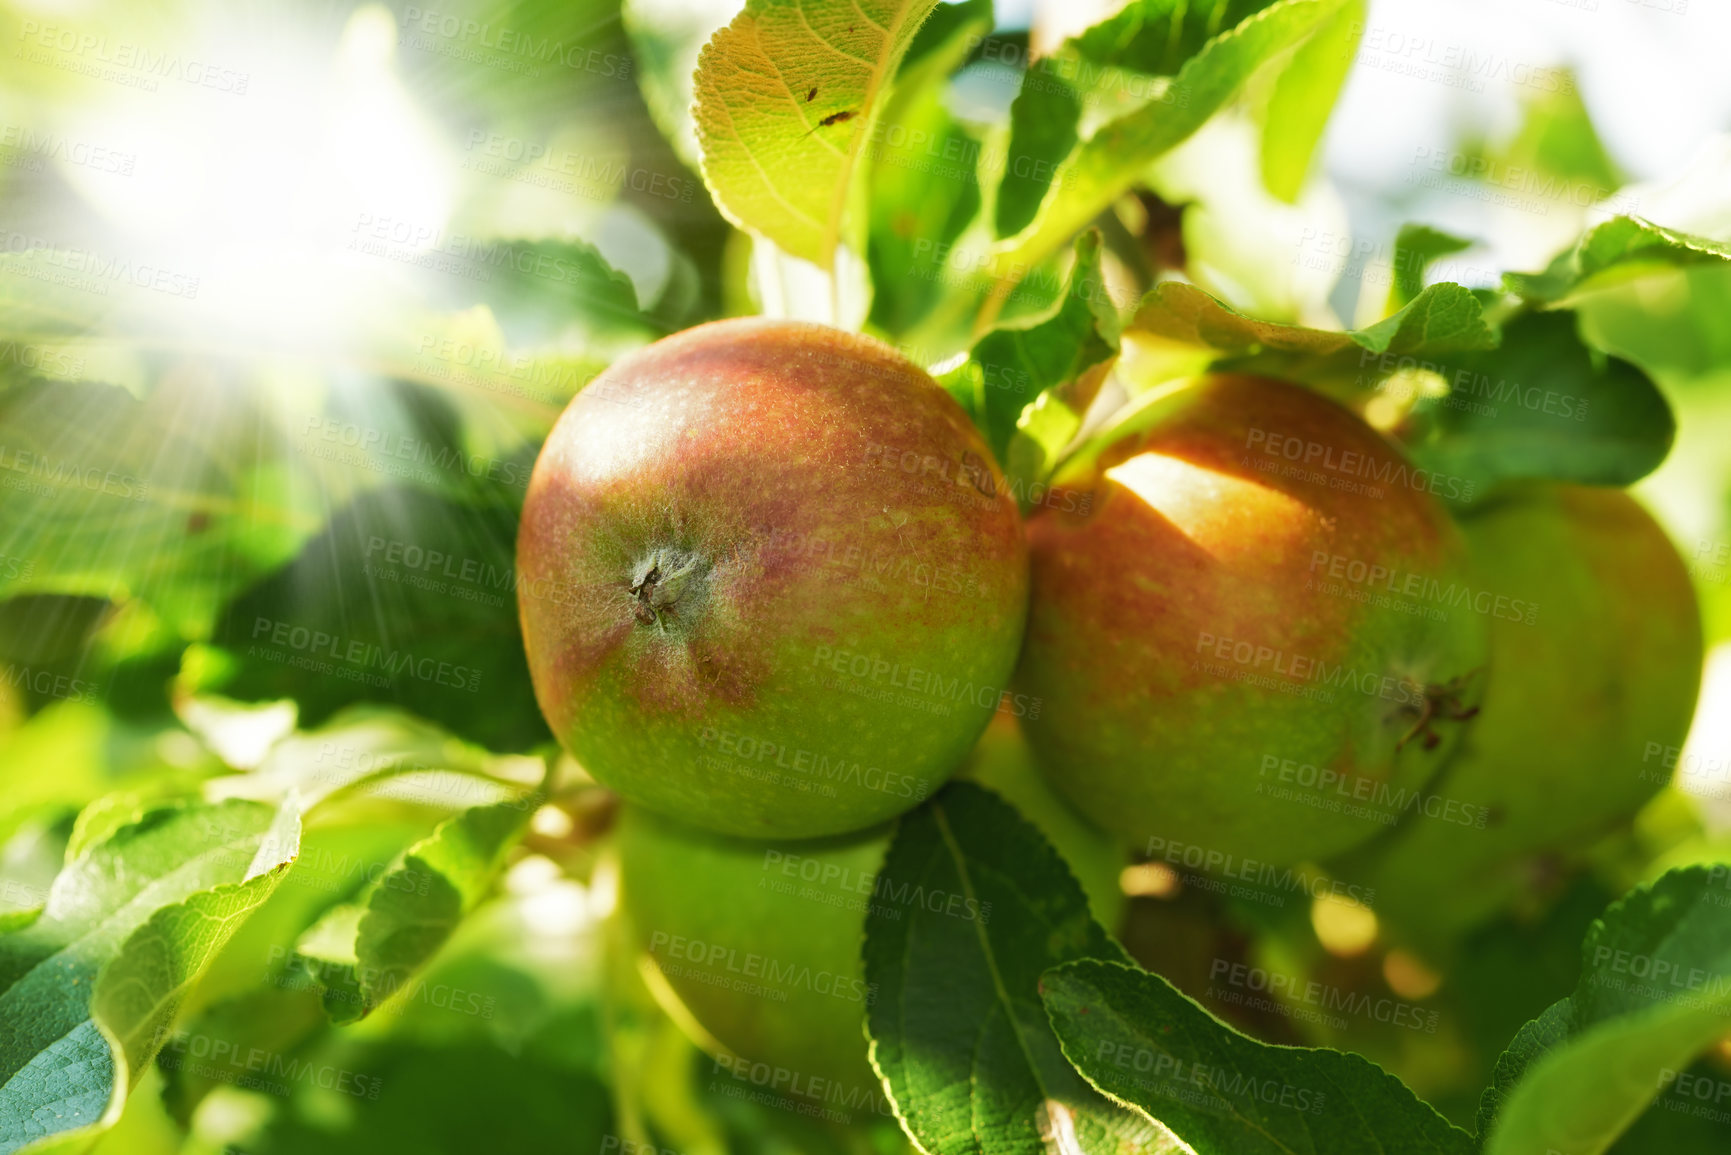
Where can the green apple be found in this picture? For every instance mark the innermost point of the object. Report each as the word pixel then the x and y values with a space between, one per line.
pixel 759 942
pixel 1596 652
pixel 1240 641
pixel 771 582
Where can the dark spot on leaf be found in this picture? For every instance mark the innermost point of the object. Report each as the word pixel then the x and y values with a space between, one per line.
pixel 198 522
pixel 812 95
pixel 836 118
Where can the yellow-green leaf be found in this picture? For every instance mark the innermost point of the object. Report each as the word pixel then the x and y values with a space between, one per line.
pixel 787 96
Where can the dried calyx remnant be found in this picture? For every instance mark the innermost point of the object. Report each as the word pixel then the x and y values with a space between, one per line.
pixel 661 578
pixel 1441 703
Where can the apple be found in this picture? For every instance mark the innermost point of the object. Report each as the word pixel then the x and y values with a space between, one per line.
pixel 759 942
pixel 1596 650
pixel 771 582
pixel 1239 637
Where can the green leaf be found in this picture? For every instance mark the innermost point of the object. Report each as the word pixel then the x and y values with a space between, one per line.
pixel 1045 120
pixel 1415 247
pixel 787 96
pixel 1654 993
pixel 1029 385
pixel 1114 158
pixel 87 990
pixel 1157 37
pixel 544 290
pixel 1142 1042
pixel 983 906
pixel 409 1096
pixel 366 747
pixel 367 952
pixel 1619 250
pixel 1544 405
pixel 407 599
pixel 1444 318
pixel 954 26
pixel 1304 95
pixel 924 173
pixel 269 1020
pixel 1557 137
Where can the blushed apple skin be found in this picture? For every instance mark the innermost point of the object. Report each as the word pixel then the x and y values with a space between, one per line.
pixel 769 919
pixel 1189 656
pixel 770 581
pixel 1582 703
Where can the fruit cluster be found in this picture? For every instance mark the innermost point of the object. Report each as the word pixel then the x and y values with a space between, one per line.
pixel 797 593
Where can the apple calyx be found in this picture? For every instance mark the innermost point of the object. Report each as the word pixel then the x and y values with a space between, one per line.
pixel 1442 702
pixel 661 578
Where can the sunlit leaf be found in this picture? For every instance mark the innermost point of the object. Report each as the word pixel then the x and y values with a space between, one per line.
pixel 787 96
pixel 1654 993
pixel 87 990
